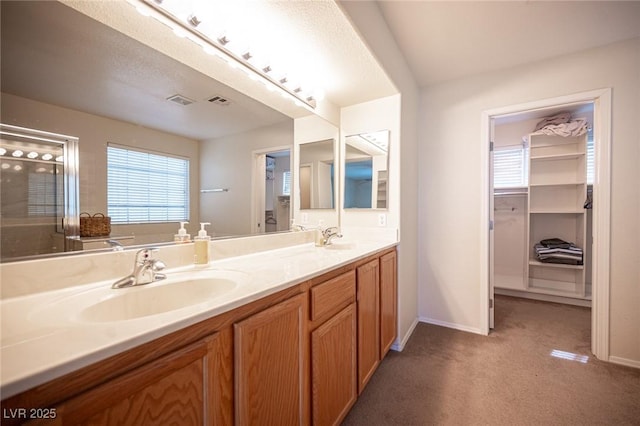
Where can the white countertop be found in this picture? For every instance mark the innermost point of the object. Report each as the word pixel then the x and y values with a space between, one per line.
pixel 40 343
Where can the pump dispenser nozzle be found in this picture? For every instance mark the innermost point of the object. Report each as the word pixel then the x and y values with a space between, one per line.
pixel 203 232
pixel 182 236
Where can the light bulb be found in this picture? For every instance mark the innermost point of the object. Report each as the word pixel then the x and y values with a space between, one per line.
pixel 17 153
pixel 3 151
pixel 5 166
pixel 47 157
pixel 32 155
pixel 60 159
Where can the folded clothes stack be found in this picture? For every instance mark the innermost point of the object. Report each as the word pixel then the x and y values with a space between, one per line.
pixel 555 250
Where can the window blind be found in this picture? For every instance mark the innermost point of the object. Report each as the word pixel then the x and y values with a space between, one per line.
pixel 591 172
pixel 286 183
pixel 144 187
pixel 510 167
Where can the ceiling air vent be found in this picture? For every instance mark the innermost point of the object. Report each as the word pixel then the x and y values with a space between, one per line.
pixel 179 99
pixel 219 100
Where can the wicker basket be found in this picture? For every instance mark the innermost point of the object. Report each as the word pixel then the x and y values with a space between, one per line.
pixel 97 225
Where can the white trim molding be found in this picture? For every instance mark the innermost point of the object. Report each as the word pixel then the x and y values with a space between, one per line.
pixel 399 344
pixel 601 227
pixel 452 325
pixel 624 361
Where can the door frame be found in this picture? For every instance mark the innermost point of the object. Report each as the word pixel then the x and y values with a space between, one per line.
pixel 601 230
pixel 257 185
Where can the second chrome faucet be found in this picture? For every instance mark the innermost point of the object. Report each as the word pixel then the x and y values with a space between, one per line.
pixel 145 270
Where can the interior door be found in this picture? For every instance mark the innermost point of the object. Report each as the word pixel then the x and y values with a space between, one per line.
pixel 491 226
pixel 258 178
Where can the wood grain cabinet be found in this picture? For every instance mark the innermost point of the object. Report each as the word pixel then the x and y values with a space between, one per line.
pixel 179 388
pixel 269 365
pixel 368 288
pixel 297 357
pixel 334 378
pixel 388 301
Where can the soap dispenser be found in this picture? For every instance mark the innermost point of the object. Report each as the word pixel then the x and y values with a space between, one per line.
pixel 182 236
pixel 201 243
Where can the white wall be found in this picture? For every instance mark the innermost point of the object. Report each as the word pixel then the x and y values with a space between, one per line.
pixel 227 162
pixel 94 132
pixel 450 229
pixel 368 21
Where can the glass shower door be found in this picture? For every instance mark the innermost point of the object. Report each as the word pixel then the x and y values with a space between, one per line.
pixel 38 192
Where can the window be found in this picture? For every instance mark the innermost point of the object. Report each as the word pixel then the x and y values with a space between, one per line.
pixel 145 187
pixel 286 183
pixel 510 167
pixel 591 154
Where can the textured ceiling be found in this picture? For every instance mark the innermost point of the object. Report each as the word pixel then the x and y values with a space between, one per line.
pixel 107 59
pixel 446 40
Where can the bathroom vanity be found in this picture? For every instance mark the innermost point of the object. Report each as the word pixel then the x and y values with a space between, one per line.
pixel 299 350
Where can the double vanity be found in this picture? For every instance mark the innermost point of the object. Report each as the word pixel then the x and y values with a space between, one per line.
pixel 273 328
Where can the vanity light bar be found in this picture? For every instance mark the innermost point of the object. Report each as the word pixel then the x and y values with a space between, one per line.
pixel 219 47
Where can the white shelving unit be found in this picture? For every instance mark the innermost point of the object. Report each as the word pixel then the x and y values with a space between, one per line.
pixel 557 191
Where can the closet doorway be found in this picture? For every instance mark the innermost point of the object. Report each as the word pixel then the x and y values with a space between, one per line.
pixel 542 185
pixel 271 190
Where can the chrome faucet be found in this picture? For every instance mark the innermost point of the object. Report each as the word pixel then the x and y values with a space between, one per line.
pixel 329 234
pixel 145 270
pixel 115 245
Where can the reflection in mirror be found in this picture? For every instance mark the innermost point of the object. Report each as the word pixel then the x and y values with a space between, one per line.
pixel 67 73
pixel 316 175
pixel 366 170
pixel 38 187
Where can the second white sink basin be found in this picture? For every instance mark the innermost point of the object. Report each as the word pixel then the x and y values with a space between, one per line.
pixel 136 302
pixel 102 304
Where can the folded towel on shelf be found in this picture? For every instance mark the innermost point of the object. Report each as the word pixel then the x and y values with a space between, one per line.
pixel 576 127
pixel 555 243
pixel 558 251
pixel 562 117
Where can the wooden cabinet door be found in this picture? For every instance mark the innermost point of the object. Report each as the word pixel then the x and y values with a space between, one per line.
pixel 270 350
pixel 178 388
pixel 388 301
pixel 334 379
pixel 368 321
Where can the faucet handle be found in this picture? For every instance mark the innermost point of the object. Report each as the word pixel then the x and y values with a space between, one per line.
pixel 145 254
pixel 157 265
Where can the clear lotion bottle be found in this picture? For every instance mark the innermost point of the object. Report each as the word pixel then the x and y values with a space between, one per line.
pixel 201 244
pixel 182 236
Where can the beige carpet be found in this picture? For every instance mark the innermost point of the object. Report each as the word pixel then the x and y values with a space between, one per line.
pixel 449 377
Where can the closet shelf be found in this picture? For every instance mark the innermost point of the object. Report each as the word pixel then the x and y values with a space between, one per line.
pixel 554 265
pixel 556 184
pixel 551 157
pixel 563 211
pixel 551 292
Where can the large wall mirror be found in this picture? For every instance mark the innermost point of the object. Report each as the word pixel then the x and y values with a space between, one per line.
pixel 316 175
pixel 366 170
pixel 67 73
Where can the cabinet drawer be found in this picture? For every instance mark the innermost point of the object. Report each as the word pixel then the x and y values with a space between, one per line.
pixel 331 296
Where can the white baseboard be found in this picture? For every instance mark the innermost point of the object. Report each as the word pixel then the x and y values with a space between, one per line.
pixel 451 325
pixel 399 344
pixel 543 297
pixel 624 361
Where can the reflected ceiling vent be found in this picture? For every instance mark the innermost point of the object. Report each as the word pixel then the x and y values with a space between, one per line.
pixel 179 99
pixel 219 100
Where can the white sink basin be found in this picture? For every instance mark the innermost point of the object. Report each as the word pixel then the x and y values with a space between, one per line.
pixel 103 304
pixel 139 302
